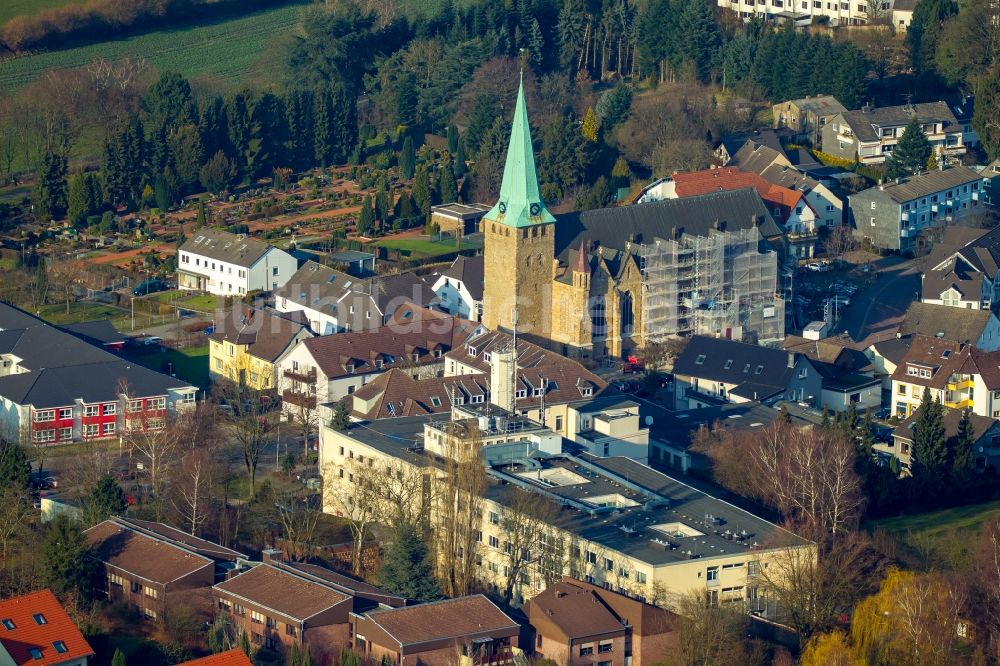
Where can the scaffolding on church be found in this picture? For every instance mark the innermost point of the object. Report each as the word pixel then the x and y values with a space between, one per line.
pixel 719 284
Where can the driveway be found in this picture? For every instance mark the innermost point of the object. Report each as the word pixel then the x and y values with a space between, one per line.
pixel 878 310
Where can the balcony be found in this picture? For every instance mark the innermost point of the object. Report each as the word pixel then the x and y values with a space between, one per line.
pixel 961 404
pixel 309 376
pixel 299 399
pixel 961 385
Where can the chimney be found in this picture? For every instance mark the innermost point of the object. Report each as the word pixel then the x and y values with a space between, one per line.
pixel 503 367
pixel 791 359
pixel 272 555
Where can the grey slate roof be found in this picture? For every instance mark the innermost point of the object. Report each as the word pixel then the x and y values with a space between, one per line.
pixel 469 271
pixel 864 121
pixel 91 382
pixel 224 246
pixel 821 105
pixel 929 183
pixel 96 332
pixel 758 372
pixel 642 223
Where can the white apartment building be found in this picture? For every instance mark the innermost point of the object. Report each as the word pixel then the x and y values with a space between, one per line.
pixel 226 264
pixel 802 12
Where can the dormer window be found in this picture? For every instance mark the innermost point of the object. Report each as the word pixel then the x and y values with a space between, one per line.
pixel 587 392
pixel 521 393
pixel 472 350
pixel 350 368
pixel 487 357
pixel 911 371
pixel 538 392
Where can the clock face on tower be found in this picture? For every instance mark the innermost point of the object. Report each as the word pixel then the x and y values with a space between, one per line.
pixel 535 209
pixel 502 207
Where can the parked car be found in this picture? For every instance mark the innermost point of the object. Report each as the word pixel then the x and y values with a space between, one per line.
pixel 633 365
pixel 151 286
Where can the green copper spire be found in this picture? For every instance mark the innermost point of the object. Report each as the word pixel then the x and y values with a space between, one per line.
pixel 520 203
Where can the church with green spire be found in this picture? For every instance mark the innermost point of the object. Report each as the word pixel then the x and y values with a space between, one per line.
pixel 519 242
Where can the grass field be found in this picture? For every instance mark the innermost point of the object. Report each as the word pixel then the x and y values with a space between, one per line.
pixel 420 247
pixel 198 302
pixel 11 8
pixel 233 51
pixel 189 364
pixel 939 538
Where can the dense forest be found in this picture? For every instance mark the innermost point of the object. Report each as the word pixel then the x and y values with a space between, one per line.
pixel 364 85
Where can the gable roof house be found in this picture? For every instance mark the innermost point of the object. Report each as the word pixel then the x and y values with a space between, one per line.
pixel 460 287
pixel 848 375
pixel 966 276
pixel 36 629
pixel 146 562
pixel 57 388
pixel 711 371
pixel 979 328
pixel 226 264
pixel 246 344
pixel 322 370
pixel 234 657
pixel 332 301
pixel 280 605
pixel 439 633
pixel 574 620
pixel 985 433
pixel 806 117
pixel 775 167
pixel 892 215
pixel 870 134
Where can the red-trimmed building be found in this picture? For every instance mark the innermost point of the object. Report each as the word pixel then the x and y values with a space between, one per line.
pixel 35 629
pixel 56 387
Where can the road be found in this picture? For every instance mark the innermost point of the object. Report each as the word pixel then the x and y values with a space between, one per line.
pixel 877 311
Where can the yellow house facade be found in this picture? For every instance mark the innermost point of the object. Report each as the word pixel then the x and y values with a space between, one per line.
pixel 246 345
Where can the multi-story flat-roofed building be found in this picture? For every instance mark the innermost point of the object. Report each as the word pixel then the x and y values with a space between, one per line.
pixel 802 12
pixel 869 135
pixel 228 264
pixel 613 521
pixel 890 216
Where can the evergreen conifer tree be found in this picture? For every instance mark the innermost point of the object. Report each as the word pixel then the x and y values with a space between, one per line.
pixel 105 499
pixel 406 569
pixel 78 205
pixel 118 659
pixel 447 186
pixel 68 563
pixel 407 159
pixel 422 191
pixel 930 448
pixel 460 166
pixel 452 139
pixel 963 454
pixel 589 127
pixel 699 37
pixel 911 154
pixel 366 218
pixel 50 195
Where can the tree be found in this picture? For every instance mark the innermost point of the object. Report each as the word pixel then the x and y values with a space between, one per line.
pixel 406 567
pixel 925 29
pixel 358 501
pixel 78 205
pixel 250 427
pixel 407 159
pixel 366 218
pixel 840 241
pixel 50 196
pixel 460 166
pixel 452 139
pixel 700 40
pixel 930 447
pixel 15 468
pixel 986 115
pixel 105 499
pixel 15 516
pixel 217 173
pixel 613 107
pixel 621 175
pixel 589 126
pixel 447 186
pixel 525 520
pixel 70 567
pixel 911 153
pixel 422 191
pixel 708 635
pixel 830 649
pixel 963 454
pixel 118 659
pixel 341 418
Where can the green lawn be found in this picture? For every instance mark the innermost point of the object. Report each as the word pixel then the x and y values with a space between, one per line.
pixel 939 539
pixel 233 51
pixel 421 247
pixel 56 313
pixel 11 8
pixel 189 364
pixel 198 302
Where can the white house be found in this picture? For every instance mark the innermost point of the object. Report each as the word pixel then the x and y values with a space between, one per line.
pixel 228 264
pixel 460 288
pixel 333 301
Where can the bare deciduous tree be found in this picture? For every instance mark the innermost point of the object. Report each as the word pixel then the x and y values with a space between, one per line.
pixel 355 494
pixel 15 513
pixel 525 519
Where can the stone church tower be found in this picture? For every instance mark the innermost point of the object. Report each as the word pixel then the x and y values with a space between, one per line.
pixel 519 242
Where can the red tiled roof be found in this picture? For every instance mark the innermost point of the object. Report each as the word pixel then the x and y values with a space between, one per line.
pixel 282 591
pixel 694 183
pixel 942 357
pixel 139 554
pixel 235 657
pixel 27 634
pixel 437 620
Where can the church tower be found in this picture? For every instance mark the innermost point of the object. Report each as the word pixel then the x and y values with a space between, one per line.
pixel 519 242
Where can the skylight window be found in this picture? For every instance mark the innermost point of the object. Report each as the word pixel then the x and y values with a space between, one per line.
pixel 729 364
pixel 60 647
pixel 9 625
pixel 35 653
pixel 946 353
pixel 436 401
pixel 40 619
pixel 700 360
pixel 759 370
